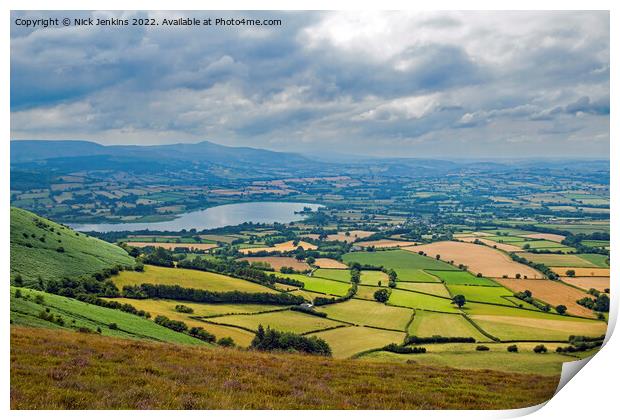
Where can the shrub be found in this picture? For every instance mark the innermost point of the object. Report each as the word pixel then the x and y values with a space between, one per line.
pixel 184 309
pixel 382 295
pixel 397 348
pixel 540 349
pixel 201 334
pixel 513 348
pixel 226 342
pixel 113 326
pixel 482 348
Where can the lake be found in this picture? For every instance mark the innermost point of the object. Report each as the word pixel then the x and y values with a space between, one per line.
pixel 214 217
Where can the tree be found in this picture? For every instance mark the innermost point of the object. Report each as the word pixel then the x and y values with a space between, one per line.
pixel 540 349
pixel 226 342
pixel 561 309
pixel 19 281
pixel 437 257
pixel 517 276
pixel 513 348
pixel 382 295
pixel 310 260
pixel 459 300
pixel 570 273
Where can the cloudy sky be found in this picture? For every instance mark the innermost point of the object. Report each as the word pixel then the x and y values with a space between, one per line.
pixel 447 84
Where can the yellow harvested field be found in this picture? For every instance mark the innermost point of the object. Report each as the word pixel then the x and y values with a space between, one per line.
pixel 503 247
pixel 278 262
pixel 283 247
pixel 386 243
pixel 172 246
pixel 551 292
pixel 329 263
pixel 587 283
pixel 478 259
pixel 582 271
pixel 353 235
pixel 547 236
pixel 193 279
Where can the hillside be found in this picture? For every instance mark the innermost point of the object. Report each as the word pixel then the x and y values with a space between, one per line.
pixel 77 371
pixel 27 309
pixel 40 247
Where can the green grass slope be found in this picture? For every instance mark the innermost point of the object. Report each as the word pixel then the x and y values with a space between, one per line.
pixel 40 247
pixel 25 311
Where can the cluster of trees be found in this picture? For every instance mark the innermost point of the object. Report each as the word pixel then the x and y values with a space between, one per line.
pixel 164 291
pixel 436 339
pixel 580 343
pixel 526 296
pixel 270 340
pixel 159 256
pixel 382 295
pixel 537 266
pixel 184 309
pixel 600 303
pixel 398 348
pixel 164 321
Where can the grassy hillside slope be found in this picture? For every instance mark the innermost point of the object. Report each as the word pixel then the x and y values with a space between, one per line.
pixel 40 247
pixel 67 370
pixel 26 311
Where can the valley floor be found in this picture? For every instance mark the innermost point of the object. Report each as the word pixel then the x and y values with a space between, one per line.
pixel 54 369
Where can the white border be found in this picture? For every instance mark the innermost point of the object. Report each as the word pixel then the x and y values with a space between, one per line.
pixel 591 394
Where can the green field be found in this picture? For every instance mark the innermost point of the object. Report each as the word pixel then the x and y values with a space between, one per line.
pixel 333 274
pixel 194 279
pixel 319 284
pixel 484 294
pixel 498 358
pixel 421 301
pixel 374 314
pixel 292 321
pixel 556 260
pixel 372 278
pixel 437 289
pixel 596 244
pixel 79 314
pixel 348 341
pixel 36 245
pixel 462 278
pixel 408 265
pixel 598 260
pixel 428 324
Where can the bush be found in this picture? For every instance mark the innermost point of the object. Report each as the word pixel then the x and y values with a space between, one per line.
pixel 184 309
pixel 513 348
pixel 113 326
pixel 201 334
pixel 309 311
pixel 226 342
pixel 540 349
pixel 164 321
pixel 382 295
pixel 482 348
pixel 397 348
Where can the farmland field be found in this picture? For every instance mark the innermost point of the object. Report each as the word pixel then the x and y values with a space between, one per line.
pixel 583 272
pixel 281 247
pixel 525 361
pixel 587 283
pixel 296 322
pixel 372 278
pixel 430 288
pixel 385 243
pixel 367 313
pixel 329 263
pixel 173 246
pixel 462 278
pixel 409 266
pixel 333 274
pixel 552 292
pixel 523 328
pixel 348 341
pixel 421 301
pixel 187 278
pixel 558 260
pixel 477 258
pixel 428 324
pixel 278 262
pixel 486 294
pixel 321 285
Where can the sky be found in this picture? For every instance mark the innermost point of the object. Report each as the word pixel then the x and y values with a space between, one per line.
pixel 404 84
